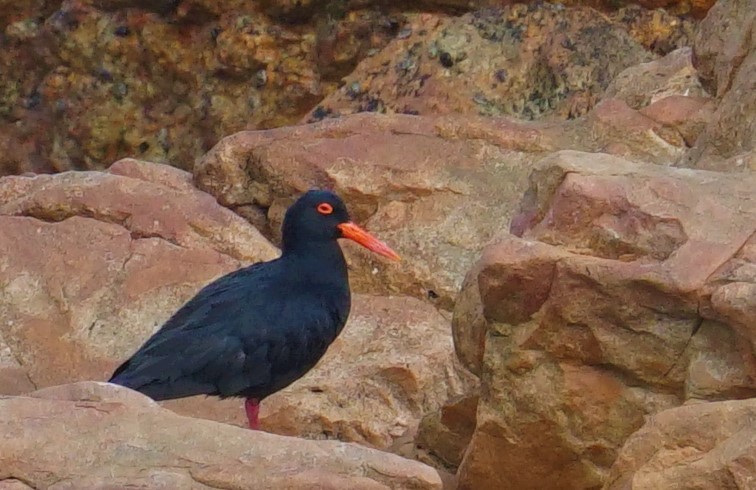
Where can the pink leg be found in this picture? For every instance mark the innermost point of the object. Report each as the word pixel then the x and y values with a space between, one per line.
pixel 252 406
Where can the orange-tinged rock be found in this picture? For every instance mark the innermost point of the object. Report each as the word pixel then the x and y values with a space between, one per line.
pixel 710 446
pixel 627 294
pixel 420 184
pixel 393 363
pixel 92 263
pixel 527 61
pixel 96 435
pixel 724 53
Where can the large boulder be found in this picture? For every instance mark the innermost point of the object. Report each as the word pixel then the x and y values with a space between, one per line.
pixel 646 83
pixel 92 263
pixel 95 435
pixel 667 94
pixel 724 54
pixel 708 446
pixel 436 189
pixel 393 364
pixel 629 292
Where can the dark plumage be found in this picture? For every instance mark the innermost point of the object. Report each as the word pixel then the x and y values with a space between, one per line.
pixel 257 330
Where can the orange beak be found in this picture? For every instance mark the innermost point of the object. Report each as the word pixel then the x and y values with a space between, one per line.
pixel 355 233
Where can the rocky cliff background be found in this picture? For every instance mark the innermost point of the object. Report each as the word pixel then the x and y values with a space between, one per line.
pixel 570 185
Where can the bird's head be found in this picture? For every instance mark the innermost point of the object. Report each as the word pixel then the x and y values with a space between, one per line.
pixel 319 216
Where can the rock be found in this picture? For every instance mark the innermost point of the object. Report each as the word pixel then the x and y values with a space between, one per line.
pixel 12 11
pixel 124 439
pixel 447 432
pixel 84 83
pixel 729 293
pixel 722 44
pixel 13 484
pixel 743 161
pixel 603 313
pixel 643 84
pixel 528 61
pixel 514 280
pixel 437 188
pixel 620 130
pixel 421 184
pixel 704 445
pixel 685 115
pixel 299 9
pixel 92 263
pixel 651 112
pixel 13 377
pixel 393 363
pixel 725 56
pixel 660 29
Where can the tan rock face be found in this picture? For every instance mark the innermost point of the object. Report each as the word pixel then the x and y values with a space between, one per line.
pixel 729 292
pixel 434 189
pixel 445 434
pixel 92 263
pixel 704 445
pixel 599 317
pixel 393 363
pixel 651 112
pixel 124 439
pixel 646 83
pixel 725 56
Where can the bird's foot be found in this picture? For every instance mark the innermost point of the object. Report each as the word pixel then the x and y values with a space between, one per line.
pixel 252 406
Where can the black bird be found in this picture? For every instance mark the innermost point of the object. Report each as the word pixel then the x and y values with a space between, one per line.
pixel 258 329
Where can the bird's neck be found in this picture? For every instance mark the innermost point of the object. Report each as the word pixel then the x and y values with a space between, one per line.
pixel 318 262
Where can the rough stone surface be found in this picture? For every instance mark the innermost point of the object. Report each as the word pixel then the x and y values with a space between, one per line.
pixel 435 189
pixel 725 57
pixel 629 293
pixel 684 115
pixel 445 434
pixel 646 83
pixel 393 363
pixel 84 82
pixel 94 436
pixel 91 263
pixel 708 446
pixel 617 129
pixel 527 61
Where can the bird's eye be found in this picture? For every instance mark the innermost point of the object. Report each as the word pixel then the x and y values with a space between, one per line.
pixel 325 208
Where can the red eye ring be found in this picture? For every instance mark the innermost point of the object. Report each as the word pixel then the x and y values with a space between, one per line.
pixel 325 208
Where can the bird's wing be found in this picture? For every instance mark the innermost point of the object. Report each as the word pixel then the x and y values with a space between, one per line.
pixel 228 339
pixel 202 341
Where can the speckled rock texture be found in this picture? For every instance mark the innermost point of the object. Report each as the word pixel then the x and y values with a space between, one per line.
pixel 528 61
pixel 86 82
